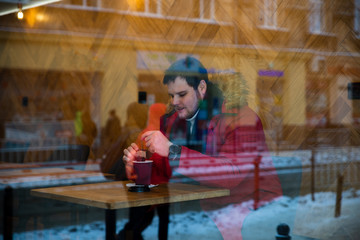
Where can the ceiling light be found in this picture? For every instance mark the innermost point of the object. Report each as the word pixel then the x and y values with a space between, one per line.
pixel 20 14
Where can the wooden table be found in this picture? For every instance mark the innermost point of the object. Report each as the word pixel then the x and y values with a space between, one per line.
pixel 29 178
pixel 33 177
pixel 115 195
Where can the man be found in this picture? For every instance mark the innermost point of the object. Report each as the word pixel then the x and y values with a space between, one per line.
pixel 211 142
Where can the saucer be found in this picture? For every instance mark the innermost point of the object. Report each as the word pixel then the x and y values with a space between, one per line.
pixel 133 184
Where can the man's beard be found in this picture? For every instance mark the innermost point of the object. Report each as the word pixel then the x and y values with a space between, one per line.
pixel 199 101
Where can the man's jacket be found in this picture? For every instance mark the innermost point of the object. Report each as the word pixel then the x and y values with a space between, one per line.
pixel 227 151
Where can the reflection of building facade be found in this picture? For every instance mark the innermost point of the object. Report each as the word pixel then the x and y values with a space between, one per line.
pixel 298 56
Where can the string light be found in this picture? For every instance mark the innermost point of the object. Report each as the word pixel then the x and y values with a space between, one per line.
pixel 20 14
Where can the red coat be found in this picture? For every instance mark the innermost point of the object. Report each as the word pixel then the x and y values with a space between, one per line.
pixel 236 157
pixel 235 140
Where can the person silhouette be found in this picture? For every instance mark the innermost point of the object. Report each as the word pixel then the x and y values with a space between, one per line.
pixel 111 160
pixel 112 128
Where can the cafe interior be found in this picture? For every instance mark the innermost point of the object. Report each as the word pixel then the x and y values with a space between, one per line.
pixel 77 75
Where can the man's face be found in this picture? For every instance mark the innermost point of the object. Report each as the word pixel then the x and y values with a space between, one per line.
pixel 183 97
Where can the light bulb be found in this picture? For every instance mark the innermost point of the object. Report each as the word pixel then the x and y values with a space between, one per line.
pixel 20 14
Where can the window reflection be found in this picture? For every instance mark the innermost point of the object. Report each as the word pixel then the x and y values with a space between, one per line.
pixel 68 64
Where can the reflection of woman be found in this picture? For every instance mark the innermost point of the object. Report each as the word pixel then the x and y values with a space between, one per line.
pixel 137 116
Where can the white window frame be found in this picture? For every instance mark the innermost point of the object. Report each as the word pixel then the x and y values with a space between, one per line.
pixel 270 14
pixel 316 17
pixel 202 9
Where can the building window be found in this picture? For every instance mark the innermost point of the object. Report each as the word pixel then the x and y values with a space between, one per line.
pixel 93 3
pixel 206 9
pixel 357 18
pixel 145 6
pixel 142 7
pixel 83 3
pixel 269 14
pixel 316 17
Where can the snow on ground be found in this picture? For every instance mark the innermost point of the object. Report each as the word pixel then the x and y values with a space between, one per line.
pixel 307 219
pixel 310 219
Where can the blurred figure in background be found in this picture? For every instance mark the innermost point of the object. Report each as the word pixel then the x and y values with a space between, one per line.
pixel 137 117
pixel 112 129
pixel 85 130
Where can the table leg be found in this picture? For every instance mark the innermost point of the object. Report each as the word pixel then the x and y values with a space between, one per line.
pixel 110 224
pixel 8 213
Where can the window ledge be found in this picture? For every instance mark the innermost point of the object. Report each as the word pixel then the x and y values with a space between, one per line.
pixel 324 34
pixel 273 28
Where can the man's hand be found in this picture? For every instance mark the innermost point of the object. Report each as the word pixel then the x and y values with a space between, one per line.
pixel 129 158
pixel 156 142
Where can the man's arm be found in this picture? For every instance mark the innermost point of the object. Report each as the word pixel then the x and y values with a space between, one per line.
pixel 240 153
pixel 240 162
pixel 225 166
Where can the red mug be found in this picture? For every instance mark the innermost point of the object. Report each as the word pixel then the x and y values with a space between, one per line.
pixel 143 172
